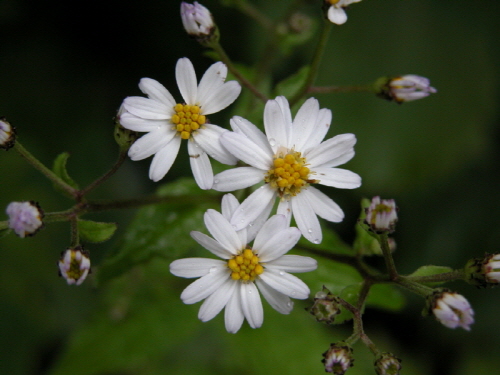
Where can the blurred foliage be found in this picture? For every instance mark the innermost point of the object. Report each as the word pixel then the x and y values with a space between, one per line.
pixel 66 67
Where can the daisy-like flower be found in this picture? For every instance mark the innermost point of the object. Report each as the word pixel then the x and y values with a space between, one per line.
pixel 235 281
pixel 25 218
pixel 336 12
pixel 451 309
pixel 74 265
pixel 289 159
pixel 167 122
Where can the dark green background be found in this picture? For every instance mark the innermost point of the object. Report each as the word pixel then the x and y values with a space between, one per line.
pixel 66 66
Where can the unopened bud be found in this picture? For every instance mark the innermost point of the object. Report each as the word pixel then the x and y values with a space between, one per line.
pixel 338 358
pixel 198 23
pixel 404 88
pixel 387 364
pixel 74 265
pixel 483 272
pixel 381 215
pixel 25 218
pixel 7 134
pixel 326 306
pixel 451 309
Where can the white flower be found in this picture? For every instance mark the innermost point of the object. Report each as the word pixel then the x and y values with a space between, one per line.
pixel 382 215
pixel 196 19
pixel 7 134
pixel 289 159
pixel 168 122
pixel 25 218
pixel 74 265
pixel 410 87
pixel 232 282
pixel 336 12
pixel 452 310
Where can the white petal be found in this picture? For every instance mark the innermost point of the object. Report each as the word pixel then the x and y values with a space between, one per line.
pixel 251 304
pixel 245 127
pixel 323 205
pixel 277 300
pixel 306 219
pixel 211 245
pixel 204 286
pixel 276 126
pixel 147 108
pixel 156 91
pixel 244 149
pixel 222 231
pixel 164 159
pixel 337 15
pixel 252 207
pixel 285 209
pixel 285 109
pixel 217 300
pixel 209 139
pixel 195 267
pixel 293 263
pixel 333 152
pixel 200 165
pixel 337 177
pixel 274 224
pixel 229 204
pixel 221 97
pixel 256 226
pixel 321 127
pixel 285 283
pixel 137 124
pixel 150 143
pixel 304 123
pixel 186 80
pixel 213 78
pixel 237 178
pixel 233 315
pixel 278 244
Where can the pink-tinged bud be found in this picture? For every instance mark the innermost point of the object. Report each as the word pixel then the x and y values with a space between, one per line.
pixel 7 134
pixel 451 309
pixel 197 20
pixel 381 215
pixel 25 218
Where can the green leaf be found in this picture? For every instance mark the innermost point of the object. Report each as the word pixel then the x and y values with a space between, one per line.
pixel 59 168
pixel 386 297
pixel 94 231
pixel 292 84
pixel 430 270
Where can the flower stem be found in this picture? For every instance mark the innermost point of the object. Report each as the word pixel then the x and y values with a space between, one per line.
pixel 414 287
pixel 389 260
pixel 335 89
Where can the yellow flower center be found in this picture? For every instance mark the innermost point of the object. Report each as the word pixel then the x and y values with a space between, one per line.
pixel 187 119
pixel 74 271
pixel 289 174
pixel 245 266
pixel 333 2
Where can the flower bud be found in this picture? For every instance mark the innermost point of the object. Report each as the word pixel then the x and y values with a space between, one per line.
pixel 326 306
pixel 483 272
pixel 387 364
pixel 74 265
pixel 335 10
pixel 338 358
pixel 451 309
pixel 381 215
pixel 198 22
pixel 7 134
pixel 404 88
pixel 25 218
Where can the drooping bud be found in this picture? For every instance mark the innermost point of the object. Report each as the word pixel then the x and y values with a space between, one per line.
pixel 74 265
pixel 483 272
pixel 335 10
pixel 25 218
pixel 326 306
pixel 381 215
pixel 404 88
pixel 451 309
pixel 7 134
pixel 338 358
pixel 387 364
pixel 199 23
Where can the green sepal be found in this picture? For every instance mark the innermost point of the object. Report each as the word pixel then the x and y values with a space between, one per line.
pixel 124 137
pixel 94 231
pixel 291 85
pixel 430 270
pixel 59 168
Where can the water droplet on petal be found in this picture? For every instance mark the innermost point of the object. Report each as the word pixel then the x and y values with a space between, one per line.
pixel 316 241
pixel 281 273
pixel 293 292
pixel 249 291
pixel 212 269
pixel 250 225
pixel 272 142
pixel 216 181
pixel 289 304
pixel 309 230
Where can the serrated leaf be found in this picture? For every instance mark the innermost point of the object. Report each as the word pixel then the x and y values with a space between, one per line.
pixel 94 231
pixel 59 168
pixel 292 84
pixel 430 270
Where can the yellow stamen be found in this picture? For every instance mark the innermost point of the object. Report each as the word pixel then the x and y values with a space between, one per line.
pixel 187 119
pixel 289 175
pixel 245 266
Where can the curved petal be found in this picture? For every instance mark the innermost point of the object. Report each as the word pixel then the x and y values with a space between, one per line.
pixel 337 177
pixel 221 97
pixel 245 127
pixel 304 123
pixel 285 283
pixel 244 149
pixel 222 231
pixel 211 245
pixel 285 109
pixel 278 301
pixel 213 78
pixel 255 227
pixel 233 315
pixel 306 219
pixel 278 244
pixel 137 124
pixel 323 205
pixel 200 165
pixel 321 127
pixel 150 144
pixel 216 301
pixel 229 204
pixel 251 304
pixel 209 139
pixel 195 267
pixel 337 15
pixel 285 209
pixel 156 91
pixel 252 207
pixel 164 159
pixel 293 263
pixel 186 80
pixel 334 151
pixel 147 108
pixel 273 225
pixel 237 178
pixel 276 126
pixel 205 286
